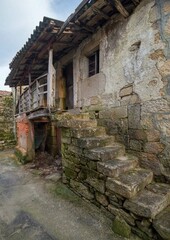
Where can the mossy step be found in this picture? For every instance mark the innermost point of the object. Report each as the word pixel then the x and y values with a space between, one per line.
pixel 105 153
pixel 113 168
pixel 88 132
pixel 92 142
pixel 147 204
pixel 130 183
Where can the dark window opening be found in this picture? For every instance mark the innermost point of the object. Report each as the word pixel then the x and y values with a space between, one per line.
pixel 68 74
pixel 94 63
pixel 40 136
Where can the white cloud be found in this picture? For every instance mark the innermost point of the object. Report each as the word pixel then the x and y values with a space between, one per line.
pixel 19 18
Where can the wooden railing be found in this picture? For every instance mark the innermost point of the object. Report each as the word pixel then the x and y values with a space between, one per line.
pixel 34 97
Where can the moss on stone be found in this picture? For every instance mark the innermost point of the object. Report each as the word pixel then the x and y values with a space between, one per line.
pixel 7 137
pixel 120 227
pixel 21 157
pixel 62 191
pixel 70 173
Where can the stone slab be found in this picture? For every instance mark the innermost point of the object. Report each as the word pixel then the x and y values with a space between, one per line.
pixel 81 189
pixel 147 204
pixel 106 153
pixel 120 227
pixel 88 132
pixel 134 112
pixel 130 183
pixel 77 123
pixel 120 212
pixel 127 90
pixel 160 188
pixel 93 142
pixel 162 223
pixel 96 183
pixel 113 168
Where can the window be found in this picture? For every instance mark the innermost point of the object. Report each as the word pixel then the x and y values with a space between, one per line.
pixel 93 63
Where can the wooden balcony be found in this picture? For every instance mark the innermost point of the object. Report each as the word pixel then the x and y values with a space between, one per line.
pixel 34 97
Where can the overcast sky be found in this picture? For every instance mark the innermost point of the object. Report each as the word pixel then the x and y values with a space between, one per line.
pixel 18 19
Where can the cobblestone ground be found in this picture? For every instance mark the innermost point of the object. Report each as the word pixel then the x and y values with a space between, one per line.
pixel 32 208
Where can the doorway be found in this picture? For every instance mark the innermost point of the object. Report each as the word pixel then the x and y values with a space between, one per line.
pixel 68 74
pixel 40 136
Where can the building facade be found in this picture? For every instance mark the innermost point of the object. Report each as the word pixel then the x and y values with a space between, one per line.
pixel 97 92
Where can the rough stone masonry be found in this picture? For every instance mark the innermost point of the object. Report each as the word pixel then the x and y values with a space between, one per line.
pixel 129 109
pixel 7 139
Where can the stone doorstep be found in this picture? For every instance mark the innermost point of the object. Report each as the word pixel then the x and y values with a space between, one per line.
pixel 147 204
pixel 105 153
pixel 130 183
pixel 162 223
pixel 93 142
pixel 88 132
pixel 77 123
pixel 113 168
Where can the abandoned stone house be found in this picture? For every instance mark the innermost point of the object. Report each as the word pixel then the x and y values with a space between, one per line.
pixel 96 89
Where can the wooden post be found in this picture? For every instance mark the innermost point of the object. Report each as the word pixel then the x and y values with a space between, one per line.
pixel 51 81
pixel 37 93
pixel 29 91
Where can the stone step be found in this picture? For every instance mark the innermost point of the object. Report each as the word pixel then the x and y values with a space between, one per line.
pixel 88 132
pixel 105 153
pixel 162 223
pixel 77 116
pixel 160 188
pixel 147 204
pixel 130 183
pixel 93 142
pixel 113 168
pixel 77 123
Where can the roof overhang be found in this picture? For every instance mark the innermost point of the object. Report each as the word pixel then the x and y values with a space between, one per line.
pixel 62 37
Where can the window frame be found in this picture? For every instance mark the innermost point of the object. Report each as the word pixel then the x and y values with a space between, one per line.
pixel 93 63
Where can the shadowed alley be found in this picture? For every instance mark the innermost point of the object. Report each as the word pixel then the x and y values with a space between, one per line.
pixel 32 208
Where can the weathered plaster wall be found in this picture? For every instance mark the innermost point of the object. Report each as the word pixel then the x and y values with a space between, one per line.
pixel 7 139
pixel 131 91
pixel 130 50
pixel 25 139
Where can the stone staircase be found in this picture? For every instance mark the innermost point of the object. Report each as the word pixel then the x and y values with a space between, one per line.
pixel 115 180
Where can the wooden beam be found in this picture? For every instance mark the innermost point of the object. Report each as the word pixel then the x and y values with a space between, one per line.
pixel 118 5
pixel 100 12
pixel 136 2
pixel 64 43
pixel 84 26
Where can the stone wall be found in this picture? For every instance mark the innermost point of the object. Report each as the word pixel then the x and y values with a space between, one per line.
pixel 130 51
pixel 53 143
pixel 98 169
pixel 129 97
pixel 7 139
pixel 137 127
pixel 130 94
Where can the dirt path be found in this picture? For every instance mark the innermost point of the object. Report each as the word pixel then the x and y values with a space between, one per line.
pixel 35 209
